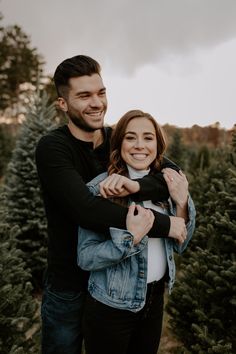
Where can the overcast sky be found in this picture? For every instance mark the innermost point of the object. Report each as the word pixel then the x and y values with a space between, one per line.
pixel 175 59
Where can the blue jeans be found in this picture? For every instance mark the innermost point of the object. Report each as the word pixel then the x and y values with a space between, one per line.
pixel 61 321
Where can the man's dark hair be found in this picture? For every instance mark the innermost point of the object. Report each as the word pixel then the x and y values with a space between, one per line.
pixel 79 65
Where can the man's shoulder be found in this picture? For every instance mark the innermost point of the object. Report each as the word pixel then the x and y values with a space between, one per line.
pixel 55 135
pixel 56 139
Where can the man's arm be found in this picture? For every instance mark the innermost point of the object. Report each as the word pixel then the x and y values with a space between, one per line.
pixel 68 193
pixel 155 185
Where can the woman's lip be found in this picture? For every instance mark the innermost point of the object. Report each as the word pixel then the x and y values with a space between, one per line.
pixel 139 156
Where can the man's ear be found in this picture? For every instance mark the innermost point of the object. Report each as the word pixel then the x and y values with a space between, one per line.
pixel 62 104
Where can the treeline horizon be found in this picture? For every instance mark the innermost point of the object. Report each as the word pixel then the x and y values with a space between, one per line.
pixel 212 135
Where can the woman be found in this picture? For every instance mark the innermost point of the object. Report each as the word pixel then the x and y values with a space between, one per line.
pixel 124 308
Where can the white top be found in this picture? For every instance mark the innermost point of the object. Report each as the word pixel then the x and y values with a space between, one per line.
pixel 157 262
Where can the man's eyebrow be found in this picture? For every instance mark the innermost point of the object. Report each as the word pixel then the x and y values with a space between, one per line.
pixel 103 89
pixel 89 92
pixel 81 93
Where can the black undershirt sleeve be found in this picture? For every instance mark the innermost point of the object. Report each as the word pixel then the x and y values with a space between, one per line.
pixel 154 187
pixel 66 188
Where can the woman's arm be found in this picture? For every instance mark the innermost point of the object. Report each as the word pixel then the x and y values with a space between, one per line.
pixel 96 252
pixel 190 226
pixel 181 203
pixel 65 190
pixel 155 185
pixel 178 188
pixel 145 188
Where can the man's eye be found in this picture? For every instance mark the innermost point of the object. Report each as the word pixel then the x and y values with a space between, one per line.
pixel 84 96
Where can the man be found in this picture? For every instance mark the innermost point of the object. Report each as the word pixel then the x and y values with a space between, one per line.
pixel 67 158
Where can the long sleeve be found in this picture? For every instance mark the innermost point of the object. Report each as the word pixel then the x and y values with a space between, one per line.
pixel 155 185
pixel 95 252
pixel 64 190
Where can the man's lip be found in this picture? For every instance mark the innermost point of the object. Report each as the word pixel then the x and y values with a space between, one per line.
pixel 95 114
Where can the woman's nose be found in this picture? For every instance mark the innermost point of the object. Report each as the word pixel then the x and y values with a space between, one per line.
pixel 139 144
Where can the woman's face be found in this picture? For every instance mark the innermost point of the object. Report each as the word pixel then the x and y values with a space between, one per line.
pixel 139 145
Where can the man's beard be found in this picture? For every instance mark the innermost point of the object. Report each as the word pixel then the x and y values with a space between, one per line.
pixel 80 123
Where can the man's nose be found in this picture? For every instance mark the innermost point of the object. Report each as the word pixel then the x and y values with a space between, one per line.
pixel 96 101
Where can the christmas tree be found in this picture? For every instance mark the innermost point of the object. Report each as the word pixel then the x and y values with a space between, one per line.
pixel 6 146
pixel 19 323
pixel 177 151
pixel 23 196
pixel 203 304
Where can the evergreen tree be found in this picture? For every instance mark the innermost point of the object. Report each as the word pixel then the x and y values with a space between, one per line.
pixel 176 150
pixel 6 146
pixel 203 303
pixel 24 202
pixel 19 322
pixel 19 63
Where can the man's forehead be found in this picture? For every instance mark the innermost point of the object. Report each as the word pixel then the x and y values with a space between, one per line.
pixel 86 83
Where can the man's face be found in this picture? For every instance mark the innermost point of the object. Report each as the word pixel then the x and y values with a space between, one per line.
pixel 86 103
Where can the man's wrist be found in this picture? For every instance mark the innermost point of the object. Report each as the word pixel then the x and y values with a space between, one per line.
pixel 137 187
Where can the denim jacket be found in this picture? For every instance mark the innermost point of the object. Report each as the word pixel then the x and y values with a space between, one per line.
pixel 118 275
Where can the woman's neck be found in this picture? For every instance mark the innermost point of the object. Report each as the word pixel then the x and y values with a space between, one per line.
pixel 133 173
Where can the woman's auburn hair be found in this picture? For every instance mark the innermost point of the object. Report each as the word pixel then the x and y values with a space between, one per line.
pixel 117 164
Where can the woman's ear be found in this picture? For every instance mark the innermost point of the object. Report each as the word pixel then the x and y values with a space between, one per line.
pixel 62 104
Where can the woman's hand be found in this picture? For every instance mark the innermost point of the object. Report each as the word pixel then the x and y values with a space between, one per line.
pixel 139 221
pixel 178 188
pixel 118 186
pixel 177 184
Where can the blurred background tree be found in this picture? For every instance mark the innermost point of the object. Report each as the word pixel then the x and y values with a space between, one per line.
pixel 23 196
pixel 203 303
pixel 176 150
pixel 17 56
pixel 19 311
pixel 6 146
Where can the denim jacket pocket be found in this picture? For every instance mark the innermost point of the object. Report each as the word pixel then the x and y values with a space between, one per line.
pixel 118 279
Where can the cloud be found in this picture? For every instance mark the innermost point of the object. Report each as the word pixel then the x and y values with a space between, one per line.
pixel 125 34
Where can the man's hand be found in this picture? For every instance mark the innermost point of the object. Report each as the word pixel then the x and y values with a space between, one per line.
pixel 139 221
pixel 118 186
pixel 178 229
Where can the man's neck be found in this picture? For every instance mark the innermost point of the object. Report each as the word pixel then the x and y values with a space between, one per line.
pixel 96 137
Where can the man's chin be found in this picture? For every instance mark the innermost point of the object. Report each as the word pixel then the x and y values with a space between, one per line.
pixel 98 125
